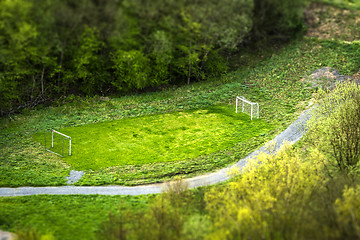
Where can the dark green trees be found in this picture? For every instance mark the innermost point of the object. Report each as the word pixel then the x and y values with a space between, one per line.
pixel 53 48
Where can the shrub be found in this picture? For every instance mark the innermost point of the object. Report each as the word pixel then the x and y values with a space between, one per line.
pixel 31 234
pixel 278 18
pixel 163 219
pixel 348 210
pixel 119 226
pixel 269 200
pixel 335 126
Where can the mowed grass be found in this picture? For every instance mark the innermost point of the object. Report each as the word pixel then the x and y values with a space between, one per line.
pixel 157 138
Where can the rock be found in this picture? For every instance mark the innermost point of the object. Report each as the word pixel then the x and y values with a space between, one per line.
pixel 326 78
pixel 7 235
pixel 74 176
pixel 104 99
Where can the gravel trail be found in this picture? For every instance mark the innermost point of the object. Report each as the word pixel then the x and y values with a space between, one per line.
pixel 292 134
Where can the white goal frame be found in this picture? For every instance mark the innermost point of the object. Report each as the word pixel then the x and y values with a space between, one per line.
pixel 253 106
pixel 52 142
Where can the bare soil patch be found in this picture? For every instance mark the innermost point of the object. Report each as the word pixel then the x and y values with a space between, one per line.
pixel 328 22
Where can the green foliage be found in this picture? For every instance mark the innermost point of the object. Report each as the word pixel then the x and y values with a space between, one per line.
pixel 54 48
pixel 32 235
pixel 164 218
pixel 131 70
pixel 267 200
pixel 162 56
pixel 223 24
pixel 335 126
pixel 196 227
pixel 215 65
pixel 9 90
pixel 348 210
pixel 17 33
pixel 93 48
pixel 278 18
pixel 89 66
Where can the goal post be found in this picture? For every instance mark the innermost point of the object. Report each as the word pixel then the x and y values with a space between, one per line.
pixel 58 143
pixel 248 107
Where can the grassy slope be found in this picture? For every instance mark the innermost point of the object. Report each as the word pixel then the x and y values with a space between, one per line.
pixel 290 62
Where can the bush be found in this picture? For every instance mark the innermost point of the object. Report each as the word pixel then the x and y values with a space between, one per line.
pixel 31 234
pixel 335 126
pixel 269 200
pixel 348 210
pixel 163 219
pixel 278 18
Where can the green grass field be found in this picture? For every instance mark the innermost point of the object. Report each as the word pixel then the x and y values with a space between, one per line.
pixel 157 138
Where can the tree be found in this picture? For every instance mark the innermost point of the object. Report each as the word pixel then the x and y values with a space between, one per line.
pixel 277 18
pixel 189 47
pixel 223 24
pixel 335 126
pixel 131 70
pixel 90 70
pixel 17 37
pixel 162 56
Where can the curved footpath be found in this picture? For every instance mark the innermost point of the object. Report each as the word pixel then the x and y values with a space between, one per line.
pixel 292 134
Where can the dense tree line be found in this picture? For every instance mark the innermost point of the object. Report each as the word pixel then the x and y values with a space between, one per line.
pixel 51 48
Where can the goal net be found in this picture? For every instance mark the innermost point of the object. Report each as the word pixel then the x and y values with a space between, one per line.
pixel 250 108
pixel 57 143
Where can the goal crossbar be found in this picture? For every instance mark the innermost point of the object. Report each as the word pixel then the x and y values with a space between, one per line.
pixel 52 142
pixel 253 105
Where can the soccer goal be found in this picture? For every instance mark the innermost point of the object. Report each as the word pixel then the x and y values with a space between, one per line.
pixel 58 142
pixel 250 108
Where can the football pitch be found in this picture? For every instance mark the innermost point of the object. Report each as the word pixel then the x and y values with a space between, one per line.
pixel 168 137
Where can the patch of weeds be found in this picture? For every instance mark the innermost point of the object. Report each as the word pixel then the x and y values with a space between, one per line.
pixel 342 4
pixel 30 165
pixel 327 21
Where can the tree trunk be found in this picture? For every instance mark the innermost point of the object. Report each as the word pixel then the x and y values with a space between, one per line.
pixel 189 69
pixel 33 86
pixel 42 80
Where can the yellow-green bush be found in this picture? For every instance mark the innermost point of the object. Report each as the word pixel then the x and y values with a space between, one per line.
pixel 269 200
pixel 348 211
